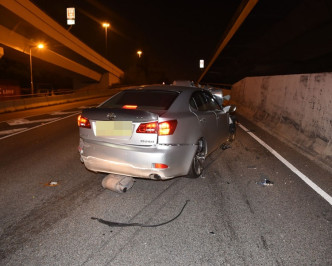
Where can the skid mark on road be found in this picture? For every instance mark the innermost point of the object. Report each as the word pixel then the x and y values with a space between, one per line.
pixel 147 214
pixel 321 192
pixel 44 217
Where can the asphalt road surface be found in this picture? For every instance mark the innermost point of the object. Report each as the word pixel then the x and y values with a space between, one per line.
pixel 225 217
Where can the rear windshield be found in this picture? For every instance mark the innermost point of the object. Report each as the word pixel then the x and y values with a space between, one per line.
pixel 142 99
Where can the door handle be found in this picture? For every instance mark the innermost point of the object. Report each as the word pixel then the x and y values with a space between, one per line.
pixel 202 120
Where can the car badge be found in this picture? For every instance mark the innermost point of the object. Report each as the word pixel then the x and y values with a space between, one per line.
pixel 111 116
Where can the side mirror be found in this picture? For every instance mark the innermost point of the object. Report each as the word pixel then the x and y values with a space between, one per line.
pixel 217 94
pixel 227 97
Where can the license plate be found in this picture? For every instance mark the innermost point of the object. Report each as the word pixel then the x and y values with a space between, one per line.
pixel 114 128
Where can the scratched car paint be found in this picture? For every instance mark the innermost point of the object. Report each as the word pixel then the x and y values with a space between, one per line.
pixel 154 132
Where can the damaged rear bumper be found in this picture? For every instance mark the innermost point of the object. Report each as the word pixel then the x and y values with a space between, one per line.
pixel 137 161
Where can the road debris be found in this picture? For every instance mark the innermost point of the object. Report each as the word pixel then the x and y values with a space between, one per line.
pixel 116 224
pixel 51 184
pixel 117 183
pixel 225 146
pixel 265 183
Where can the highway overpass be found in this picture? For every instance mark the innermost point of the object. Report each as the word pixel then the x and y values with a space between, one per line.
pixel 23 24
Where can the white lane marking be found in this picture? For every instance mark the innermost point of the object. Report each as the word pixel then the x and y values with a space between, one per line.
pixel 54 120
pixel 24 121
pixel 321 192
pixel 11 131
pixel 63 112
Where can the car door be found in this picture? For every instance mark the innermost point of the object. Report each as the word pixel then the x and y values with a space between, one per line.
pixel 222 131
pixel 223 123
pixel 202 105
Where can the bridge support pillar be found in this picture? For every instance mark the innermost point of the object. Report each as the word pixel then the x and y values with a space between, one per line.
pixel 108 79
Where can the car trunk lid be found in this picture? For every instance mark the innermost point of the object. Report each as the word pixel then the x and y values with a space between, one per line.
pixel 119 126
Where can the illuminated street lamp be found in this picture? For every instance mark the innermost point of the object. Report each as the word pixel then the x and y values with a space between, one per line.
pixel 39 46
pixel 139 52
pixel 106 25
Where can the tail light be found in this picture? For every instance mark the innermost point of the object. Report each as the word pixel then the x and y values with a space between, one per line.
pixel 148 128
pixel 162 128
pixel 167 127
pixel 127 106
pixel 83 122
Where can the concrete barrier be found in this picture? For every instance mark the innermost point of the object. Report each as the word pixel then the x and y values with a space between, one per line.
pixel 295 108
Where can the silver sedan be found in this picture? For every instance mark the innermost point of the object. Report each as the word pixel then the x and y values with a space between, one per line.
pixel 154 132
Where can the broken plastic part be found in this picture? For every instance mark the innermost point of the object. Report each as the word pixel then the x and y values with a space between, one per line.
pixel 116 224
pixel 51 184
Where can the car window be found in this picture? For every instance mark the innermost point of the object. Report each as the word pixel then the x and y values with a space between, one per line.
pixel 142 99
pixel 203 101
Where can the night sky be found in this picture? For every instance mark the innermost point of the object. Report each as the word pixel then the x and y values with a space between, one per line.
pixel 173 35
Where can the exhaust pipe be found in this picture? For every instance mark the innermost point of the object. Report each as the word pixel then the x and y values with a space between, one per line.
pixel 117 183
pixel 155 177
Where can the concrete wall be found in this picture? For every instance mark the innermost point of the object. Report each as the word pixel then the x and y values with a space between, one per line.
pixel 295 108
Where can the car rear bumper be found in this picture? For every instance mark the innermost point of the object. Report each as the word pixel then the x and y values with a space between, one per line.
pixel 137 161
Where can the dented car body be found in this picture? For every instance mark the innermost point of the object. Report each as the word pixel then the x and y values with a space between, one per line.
pixel 153 132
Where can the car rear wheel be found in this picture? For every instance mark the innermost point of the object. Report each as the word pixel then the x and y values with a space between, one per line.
pixel 197 165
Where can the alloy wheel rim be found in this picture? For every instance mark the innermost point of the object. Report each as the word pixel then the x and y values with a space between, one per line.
pixel 199 158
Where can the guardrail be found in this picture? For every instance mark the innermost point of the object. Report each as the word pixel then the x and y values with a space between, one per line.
pixel 44 99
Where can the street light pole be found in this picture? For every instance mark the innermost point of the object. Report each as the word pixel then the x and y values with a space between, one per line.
pixel 31 77
pixel 106 25
pixel 40 46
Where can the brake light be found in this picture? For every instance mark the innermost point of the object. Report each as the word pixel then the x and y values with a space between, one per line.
pixel 148 128
pixel 167 127
pixel 127 106
pixel 83 122
pixel 163 128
